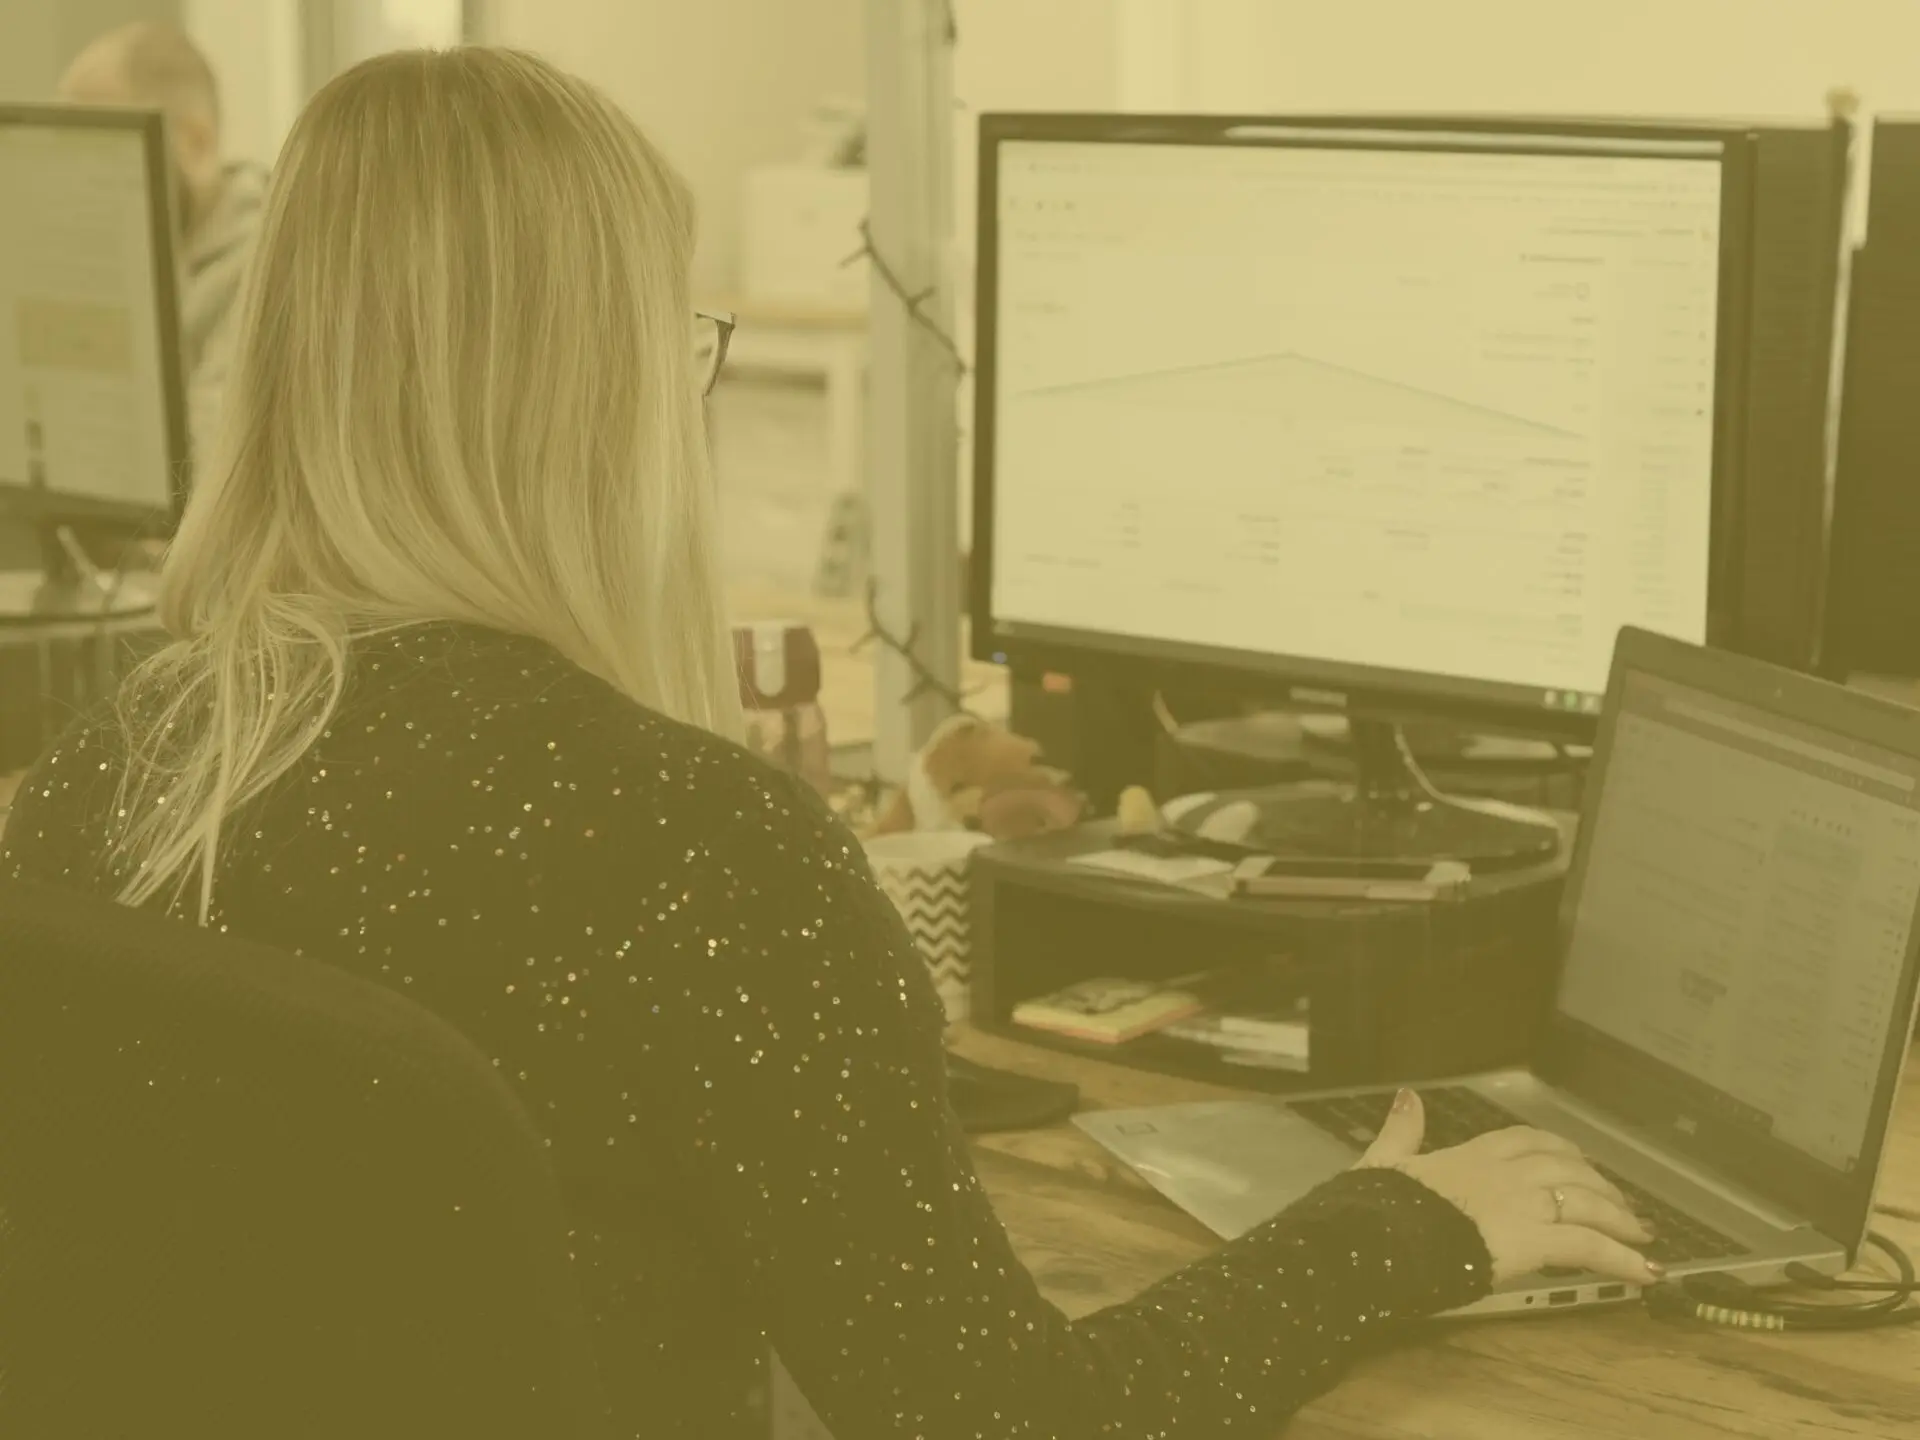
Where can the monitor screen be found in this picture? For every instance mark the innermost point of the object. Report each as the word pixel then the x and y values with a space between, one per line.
pixel 86 354
pixel 1745 916
pixel 1426 409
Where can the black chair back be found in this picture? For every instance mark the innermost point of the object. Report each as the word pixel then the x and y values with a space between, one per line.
pixel 247 1195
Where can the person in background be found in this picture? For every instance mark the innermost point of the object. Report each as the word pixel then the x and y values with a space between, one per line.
pixel 155 66
pixel 451 703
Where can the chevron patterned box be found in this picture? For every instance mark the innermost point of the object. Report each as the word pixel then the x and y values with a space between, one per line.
pixel 928 876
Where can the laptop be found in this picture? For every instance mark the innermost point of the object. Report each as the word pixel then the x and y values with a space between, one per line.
pixel 1736 993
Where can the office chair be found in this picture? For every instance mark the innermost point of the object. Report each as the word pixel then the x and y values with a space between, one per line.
pixel 246 1195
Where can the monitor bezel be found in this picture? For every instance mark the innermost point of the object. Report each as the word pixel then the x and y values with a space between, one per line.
pixel 38 506
pixel 1313 684
pixel 1657 1100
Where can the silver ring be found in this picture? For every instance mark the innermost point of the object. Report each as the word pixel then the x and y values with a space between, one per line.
pixel 1559 1206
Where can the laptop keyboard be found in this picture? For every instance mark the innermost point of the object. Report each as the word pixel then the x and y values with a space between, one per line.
pixel 1456 1115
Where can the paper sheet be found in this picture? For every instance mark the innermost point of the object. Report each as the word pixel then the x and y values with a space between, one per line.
pixel 1181 870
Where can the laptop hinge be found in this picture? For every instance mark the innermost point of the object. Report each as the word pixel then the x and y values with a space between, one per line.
pixel 1761 1209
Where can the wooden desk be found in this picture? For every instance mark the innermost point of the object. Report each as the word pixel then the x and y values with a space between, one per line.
pixel 1094 1235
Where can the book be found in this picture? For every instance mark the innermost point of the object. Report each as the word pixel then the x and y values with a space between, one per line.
pixel 1109 1012
pixel 1218 1031
pixel 1263 1060
pixel 1278 1039
pixel 1283 1029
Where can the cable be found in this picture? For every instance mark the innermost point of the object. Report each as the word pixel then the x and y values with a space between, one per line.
pixel 925 682
pixel 1905 1285
pixel 950 34
pixel 910 301
pixel 1726 1300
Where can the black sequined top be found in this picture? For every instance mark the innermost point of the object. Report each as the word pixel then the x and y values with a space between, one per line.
pixel 724 1031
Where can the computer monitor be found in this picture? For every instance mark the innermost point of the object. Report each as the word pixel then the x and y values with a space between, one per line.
pixel 1739 966
pixel 1805 179
pixel 93 427
pixel 1410 421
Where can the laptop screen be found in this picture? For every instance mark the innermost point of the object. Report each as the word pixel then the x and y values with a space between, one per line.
pixel 1735 965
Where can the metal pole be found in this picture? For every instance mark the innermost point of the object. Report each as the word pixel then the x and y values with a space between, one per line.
pixel 912 454
pixel 319 45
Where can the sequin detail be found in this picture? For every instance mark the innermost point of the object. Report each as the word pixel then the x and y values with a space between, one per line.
pixel 678 958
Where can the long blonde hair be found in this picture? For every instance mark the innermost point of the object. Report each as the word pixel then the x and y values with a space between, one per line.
pixel 464 389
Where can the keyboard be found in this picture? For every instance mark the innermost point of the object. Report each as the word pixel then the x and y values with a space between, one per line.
pixel 1456 1115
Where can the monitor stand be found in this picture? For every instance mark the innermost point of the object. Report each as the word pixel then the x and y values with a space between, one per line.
pixel 68 587
pixel 1392 812
pixel 1436 743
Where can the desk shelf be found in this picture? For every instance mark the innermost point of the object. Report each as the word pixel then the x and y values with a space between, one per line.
pixel 1395 993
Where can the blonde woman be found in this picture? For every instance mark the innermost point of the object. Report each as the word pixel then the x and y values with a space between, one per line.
pixel 449 704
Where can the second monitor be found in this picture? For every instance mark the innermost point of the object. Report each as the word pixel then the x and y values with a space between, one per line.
pixel 1411 422
pixel 93 431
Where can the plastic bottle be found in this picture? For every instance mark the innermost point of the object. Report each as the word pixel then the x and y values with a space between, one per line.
pixel 779 664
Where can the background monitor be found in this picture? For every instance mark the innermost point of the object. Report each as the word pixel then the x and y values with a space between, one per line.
pixel 1417 417
pixel 1873 600
pixel 92 395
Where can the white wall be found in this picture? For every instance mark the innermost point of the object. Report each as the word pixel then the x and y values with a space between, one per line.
pixel 1018 55
pixel 720 85
pixel 39 37
pixel 1022 55
pixel 254 47
pixel 1675 59
pixel 371 27
pixel 1668 58
pixel 29 50
pixel 364 28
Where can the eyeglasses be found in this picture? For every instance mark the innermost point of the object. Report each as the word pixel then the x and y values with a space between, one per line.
pixel 712 333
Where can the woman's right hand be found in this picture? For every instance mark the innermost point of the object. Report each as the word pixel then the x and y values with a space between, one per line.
pixel 1537 1202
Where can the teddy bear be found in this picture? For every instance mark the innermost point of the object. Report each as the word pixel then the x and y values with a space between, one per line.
pixel 975 775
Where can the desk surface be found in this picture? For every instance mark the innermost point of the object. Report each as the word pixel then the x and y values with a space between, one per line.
pixel 1096 1235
